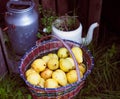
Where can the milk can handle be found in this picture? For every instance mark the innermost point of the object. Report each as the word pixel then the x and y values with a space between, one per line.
pixel 62 41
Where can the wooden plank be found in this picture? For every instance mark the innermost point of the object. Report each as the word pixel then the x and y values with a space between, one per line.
pixel 49 5
pixel 62 7
pixel 3 67
pixel 94 11
pixel 36 4
pixel 94 15
pixel 36 1
pixel 11 63
pixel 83 6
pixel 58 6
pixel 3 5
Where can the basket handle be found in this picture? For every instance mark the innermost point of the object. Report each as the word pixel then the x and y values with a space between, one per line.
pixel 58 38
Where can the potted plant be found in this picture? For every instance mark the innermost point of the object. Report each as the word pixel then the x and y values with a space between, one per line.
pixel 69 27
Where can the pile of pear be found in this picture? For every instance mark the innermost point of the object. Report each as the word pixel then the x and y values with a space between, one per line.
pixel 56 69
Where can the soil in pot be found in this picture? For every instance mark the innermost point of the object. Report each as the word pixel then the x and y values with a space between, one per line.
pixel 67 23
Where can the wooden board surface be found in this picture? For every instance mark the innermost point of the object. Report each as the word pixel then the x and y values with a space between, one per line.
pixel 10 62
pixel 49 4
pixel 94 14
pixel 3 67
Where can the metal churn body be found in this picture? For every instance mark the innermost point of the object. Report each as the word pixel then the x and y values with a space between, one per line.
pixel 22 21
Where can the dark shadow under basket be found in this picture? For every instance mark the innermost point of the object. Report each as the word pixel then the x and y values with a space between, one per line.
pixel 66 92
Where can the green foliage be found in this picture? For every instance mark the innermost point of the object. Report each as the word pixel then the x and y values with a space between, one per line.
pixel 46 19
pixel 39 35
pixel 13 87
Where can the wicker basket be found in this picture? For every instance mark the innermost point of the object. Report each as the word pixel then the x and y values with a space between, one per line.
pixel 52 45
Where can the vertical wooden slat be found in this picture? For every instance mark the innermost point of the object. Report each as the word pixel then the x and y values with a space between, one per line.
pixel 10 62
pixel 36 4
pixel 83 6
pixel 49 5
pixel 3 5
pixel 94 11
pixel 36 1
pixel 62 7
pixel 94 15
pixel 3 67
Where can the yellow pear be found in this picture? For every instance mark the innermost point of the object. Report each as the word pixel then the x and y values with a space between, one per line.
pixel 51 83
pixel 47 73
pixel 38 65
pixel 72 61
pixel 78 54
pixel 82 67
pixel 29 71
pixel 65 65
pixel 34 78
pixel 62 52
pixel 53 64
pixel 41 83
pixel 46 58
pixel 81 74
pixel 72 76
pixel 53 55
pixel 60 77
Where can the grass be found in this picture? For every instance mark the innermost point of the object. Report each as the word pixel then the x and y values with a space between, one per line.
pixel 102 83
pixel 13 87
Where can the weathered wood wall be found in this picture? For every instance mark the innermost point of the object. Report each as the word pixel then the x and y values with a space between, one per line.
pixel 10 59
pixel 3 67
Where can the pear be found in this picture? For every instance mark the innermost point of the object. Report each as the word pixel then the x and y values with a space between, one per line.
pixel 34 78
pixel 41 83
pixel 60 77
pixel 47 73
pixel 72 61
pixel 82 67
pixel 46 58
pixel 51 83
pixel 38 65
pixel 53 55
pixel 29 71
pixel 65 65
pixel 62 52
pixel 72 76
pixel 53 64
pixel 78 54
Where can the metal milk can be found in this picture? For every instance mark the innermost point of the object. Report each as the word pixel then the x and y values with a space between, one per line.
pixel 22 21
